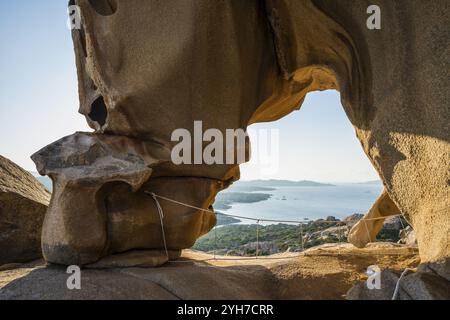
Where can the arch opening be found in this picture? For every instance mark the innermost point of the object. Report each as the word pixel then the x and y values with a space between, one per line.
pixel 321 174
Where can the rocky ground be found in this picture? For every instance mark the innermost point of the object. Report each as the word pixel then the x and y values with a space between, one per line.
pixel 324 272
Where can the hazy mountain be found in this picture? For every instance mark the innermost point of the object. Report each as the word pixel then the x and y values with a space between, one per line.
pixel 282 183
pixel 372 182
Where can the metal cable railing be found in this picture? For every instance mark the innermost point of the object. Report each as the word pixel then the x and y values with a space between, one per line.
pixel 258 220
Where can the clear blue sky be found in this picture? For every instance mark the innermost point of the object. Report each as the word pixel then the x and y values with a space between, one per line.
pixel 39 103
pixel 38 86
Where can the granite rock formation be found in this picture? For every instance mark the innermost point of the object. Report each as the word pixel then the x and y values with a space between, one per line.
pixel 366 229
pixel 23 203
pixel 288 278
pixel 99 207
pixel 408 236
pixel 148 68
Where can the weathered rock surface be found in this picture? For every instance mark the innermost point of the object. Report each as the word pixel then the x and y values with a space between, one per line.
pixel 23 202
pixel 231 64
pixel 366 230
pixel 421 284
pixel 408 236
pixel 196 276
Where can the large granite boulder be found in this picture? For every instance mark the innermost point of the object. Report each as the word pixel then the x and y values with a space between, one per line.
pixel 148 68
pixel 23 203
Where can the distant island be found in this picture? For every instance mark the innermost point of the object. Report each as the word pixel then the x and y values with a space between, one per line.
pixel 281 183
pixel 237 187
pixel 372 182
pixel 224 200
pixel 223 220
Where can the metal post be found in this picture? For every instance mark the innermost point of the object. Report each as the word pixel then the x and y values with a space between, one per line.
pixel 301 237
pixel 215 241
pixel 257 238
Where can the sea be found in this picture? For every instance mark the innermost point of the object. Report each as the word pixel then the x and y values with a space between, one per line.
pixel 317 202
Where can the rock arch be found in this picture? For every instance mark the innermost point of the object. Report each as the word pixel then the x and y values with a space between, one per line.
pixel 161 65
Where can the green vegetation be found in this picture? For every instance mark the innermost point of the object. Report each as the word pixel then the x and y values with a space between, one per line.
pixel 284 236
pixel 237 239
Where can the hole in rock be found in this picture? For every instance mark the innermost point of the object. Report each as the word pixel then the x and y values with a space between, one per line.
pixel 98 113
pixel 104 7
